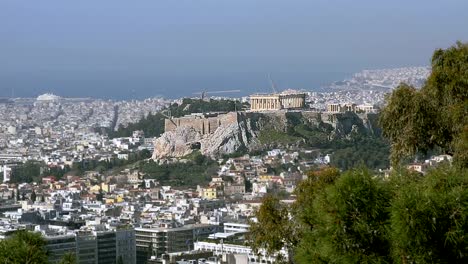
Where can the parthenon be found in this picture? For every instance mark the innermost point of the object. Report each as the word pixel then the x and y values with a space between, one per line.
pixel 266 102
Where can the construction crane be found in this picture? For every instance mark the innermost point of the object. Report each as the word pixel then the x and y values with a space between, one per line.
pixel 204 93
pixel 273 86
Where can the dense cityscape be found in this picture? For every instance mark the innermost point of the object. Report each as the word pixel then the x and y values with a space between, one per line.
pixel 115 213
pixel 233 132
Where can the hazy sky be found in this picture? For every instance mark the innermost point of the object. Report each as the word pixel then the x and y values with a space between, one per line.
pixel 118 49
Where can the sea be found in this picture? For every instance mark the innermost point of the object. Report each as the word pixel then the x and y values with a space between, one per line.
pixel 169 86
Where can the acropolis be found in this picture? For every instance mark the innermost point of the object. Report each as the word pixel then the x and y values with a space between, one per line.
pixel 277 101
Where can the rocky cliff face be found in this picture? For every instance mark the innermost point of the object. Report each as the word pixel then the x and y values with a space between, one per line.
pixel 176 143
pixel 243 134
pixel 226 139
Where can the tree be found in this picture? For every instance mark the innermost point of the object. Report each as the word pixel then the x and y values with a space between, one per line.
pixel 145 154
pixel 349 222
pixel 247 185
pixel 434 116
pixel 33 196
pixel 68 258
pixel 307 191
pixel 23 247
pixel 27 172
pixel 429 218
pixel 273 229
pixel 100 195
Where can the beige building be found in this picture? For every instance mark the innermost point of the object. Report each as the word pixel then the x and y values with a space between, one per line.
pixel 341 108
pixel 265 102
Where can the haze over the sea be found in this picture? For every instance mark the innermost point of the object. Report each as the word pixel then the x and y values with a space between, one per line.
pixel 137 49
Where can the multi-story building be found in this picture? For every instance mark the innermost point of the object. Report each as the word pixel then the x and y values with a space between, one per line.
pixel 155 241
pixel 6 173
pixel 86 247
pixel 230 189
pixel 106 247
pixel 235 228
pixel 211 192
pixel 59 245
pixel 126 247
pixel 220 248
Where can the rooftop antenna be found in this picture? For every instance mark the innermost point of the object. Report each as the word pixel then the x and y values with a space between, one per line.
pixel 273 86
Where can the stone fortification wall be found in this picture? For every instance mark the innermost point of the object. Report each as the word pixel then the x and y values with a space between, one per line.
pixel 202 123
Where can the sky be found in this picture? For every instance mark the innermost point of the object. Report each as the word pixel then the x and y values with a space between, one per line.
pixel 173 48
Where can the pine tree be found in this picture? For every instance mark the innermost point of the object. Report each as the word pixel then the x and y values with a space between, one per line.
pixel 33 196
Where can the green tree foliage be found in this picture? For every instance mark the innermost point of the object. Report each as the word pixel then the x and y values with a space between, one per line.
pixel 434 116
pixel 355 217
pixel 429 218
pixel 197 171
pixel 33 196
pixel 308 190
pixel 373 151
pixel 273 229
pixel 68 258
pixel 57 172
pixel 350 222
pixel 190 106
pixel 277 137
pixel 103 165
pixel 23 247
pixel 34 170
pixel 100 195
pixel 28 172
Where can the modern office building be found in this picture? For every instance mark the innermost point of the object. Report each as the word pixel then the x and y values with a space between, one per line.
pixel 59 245
pixel 106 247
pixel 90 247
pixel 126 247
pixel 163 239
pixel 86 247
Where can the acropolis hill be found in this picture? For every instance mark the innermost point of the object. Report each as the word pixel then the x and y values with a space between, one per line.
pixel 215 134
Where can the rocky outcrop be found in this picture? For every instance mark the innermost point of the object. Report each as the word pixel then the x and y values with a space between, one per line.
pixel 229 139
pixel 177 143
pixel 226 139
